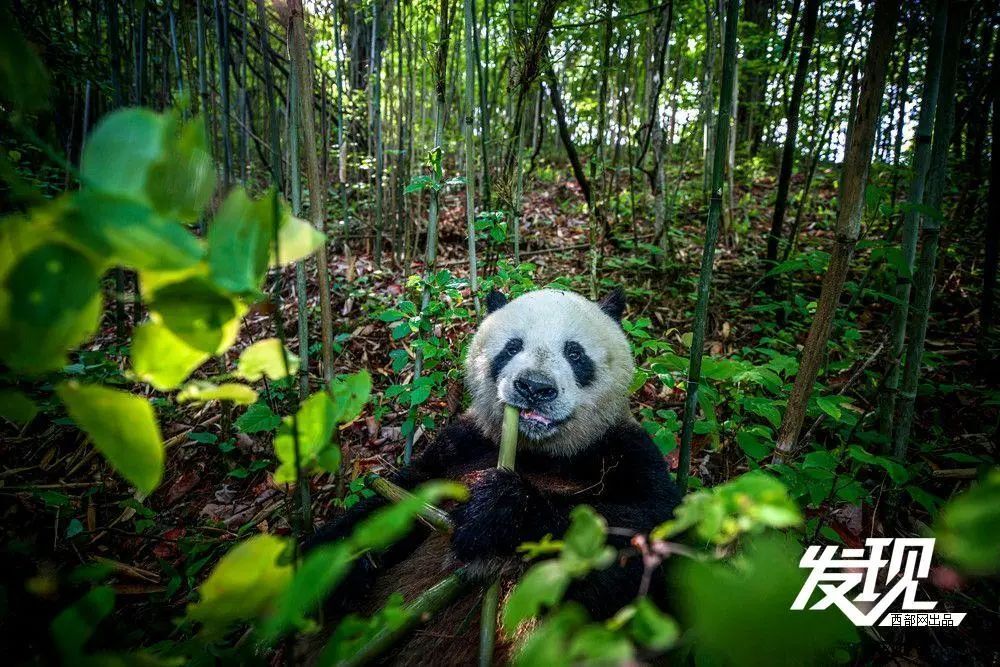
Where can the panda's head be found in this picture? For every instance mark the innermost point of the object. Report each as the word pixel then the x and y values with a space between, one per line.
pixel 560 358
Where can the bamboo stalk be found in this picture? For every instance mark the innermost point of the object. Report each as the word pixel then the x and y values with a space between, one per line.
pixel 488 618
pixel 438 519
pixel 711 238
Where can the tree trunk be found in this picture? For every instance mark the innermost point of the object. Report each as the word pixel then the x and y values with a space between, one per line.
pixel 711 239
pixel 848 227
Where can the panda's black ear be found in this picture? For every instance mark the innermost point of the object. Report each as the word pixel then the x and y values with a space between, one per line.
pixel 613 304
pixel 495 300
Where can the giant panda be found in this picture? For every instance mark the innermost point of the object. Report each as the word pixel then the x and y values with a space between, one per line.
pixel 565 363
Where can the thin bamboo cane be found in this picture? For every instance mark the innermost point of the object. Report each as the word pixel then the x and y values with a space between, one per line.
pixel 488 622
pixel 711 237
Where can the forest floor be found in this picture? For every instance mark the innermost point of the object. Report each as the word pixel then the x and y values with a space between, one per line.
pixel 68 508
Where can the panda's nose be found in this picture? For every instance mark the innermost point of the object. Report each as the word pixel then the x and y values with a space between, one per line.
pixel 535 387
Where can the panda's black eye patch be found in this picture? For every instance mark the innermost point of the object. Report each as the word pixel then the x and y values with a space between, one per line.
pixel 582 365
pixel 509 351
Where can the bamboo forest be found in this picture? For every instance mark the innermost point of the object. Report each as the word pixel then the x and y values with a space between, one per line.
pixel 530 332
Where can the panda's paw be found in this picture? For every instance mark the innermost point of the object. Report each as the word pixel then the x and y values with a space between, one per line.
pixel 492 522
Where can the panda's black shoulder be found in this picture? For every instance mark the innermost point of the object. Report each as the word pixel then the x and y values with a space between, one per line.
pixel 639 464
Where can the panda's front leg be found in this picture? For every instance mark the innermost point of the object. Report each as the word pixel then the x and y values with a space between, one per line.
pixel 503 510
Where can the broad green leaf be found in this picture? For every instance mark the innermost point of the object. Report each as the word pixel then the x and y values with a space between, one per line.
pixel 121 150
pixel 239 242
pixel 49 304
pixel 297 239
pixel 548 644
pixel 162 359
pixel 350 393
pixel 830 405
pixel 196 312
pixel 543 585
pixel 318 574
pixel 122 427
pixel 763 407
pixel 898 473
pixel 266 358
pixel 16 407
pixel 201 391
pixel 181 183
pixel 244 584
pixel 391 523
pixel 75 625
pixel 750 503
pixel 968 526
pixel 597 645
pixel 585 536
pixel 651 628
pixel 737 611
pixel 118 230
pixel 257 419
pixel 316 420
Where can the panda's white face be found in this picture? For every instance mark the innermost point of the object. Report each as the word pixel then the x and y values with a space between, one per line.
pixel 559 358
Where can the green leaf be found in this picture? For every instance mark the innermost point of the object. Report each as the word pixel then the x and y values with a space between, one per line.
pixel 297 239
pixel 75 625
pixel 968 526
pixel 74 528
pixel 162 359
pixel 239 242
pixel 195 311
pixel 651 628
pixel 737 611
pixel 389 524
pixel 118 230
pixel 122 427
pixel 320 571
pixel 258 418
pixel 181 183
pixel 244 584
pixel 763 407
pixel 548 643
pixel 16 407
pixel 266 358
pixel 350 394
pixel 201 391
pixel 830 405
pixel 121 150
pixel 898 473
pixel 316 420
pixel 585 536
pixel 49 304
pixel 543 585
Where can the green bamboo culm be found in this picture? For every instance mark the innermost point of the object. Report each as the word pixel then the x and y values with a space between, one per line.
pixel 436 517
pixel 491 601
pixel 711 238
pixel 911 227
pixel 930 226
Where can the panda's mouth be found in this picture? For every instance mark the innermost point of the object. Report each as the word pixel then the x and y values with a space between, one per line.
pixel 536 418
